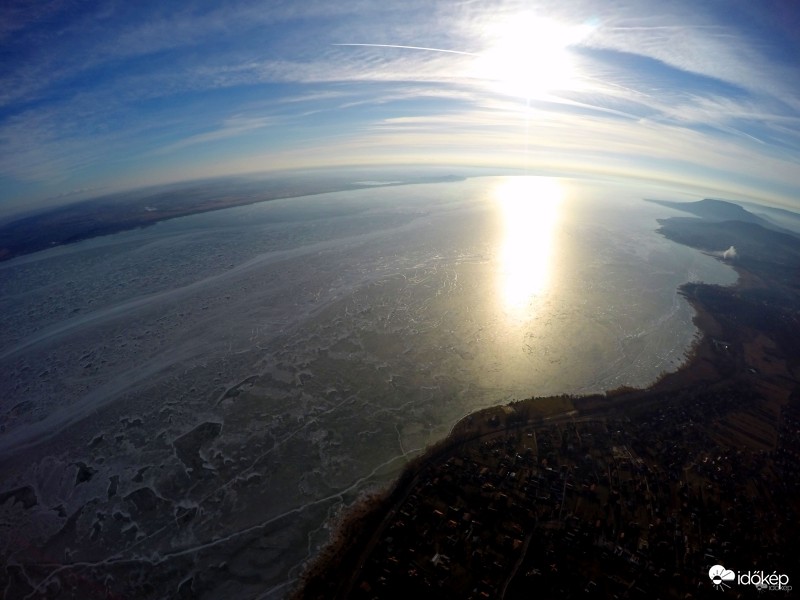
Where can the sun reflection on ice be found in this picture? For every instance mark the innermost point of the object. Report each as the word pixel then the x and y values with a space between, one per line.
pixel 530 208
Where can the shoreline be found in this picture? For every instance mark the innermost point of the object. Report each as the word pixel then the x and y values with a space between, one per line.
pixel 373 511
pixel 137 209
pixel 718 360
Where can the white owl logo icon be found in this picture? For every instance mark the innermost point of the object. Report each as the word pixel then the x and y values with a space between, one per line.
pixel 719 575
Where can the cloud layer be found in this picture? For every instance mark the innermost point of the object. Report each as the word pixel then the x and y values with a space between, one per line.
pixel 122 94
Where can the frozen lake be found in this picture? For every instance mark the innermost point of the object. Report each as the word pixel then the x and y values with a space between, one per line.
pixel 191 402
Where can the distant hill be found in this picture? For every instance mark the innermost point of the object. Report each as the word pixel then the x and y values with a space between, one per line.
pixel 780 217
pixel 721 210
pixel 778 212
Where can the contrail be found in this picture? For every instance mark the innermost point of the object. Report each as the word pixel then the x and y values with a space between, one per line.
pixel 412 48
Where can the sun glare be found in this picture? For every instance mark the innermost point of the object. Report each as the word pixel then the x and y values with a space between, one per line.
pixel 529 56
pixel 530 208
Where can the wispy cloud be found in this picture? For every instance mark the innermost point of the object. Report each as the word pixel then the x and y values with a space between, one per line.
pixel 233 127
pixel 93 90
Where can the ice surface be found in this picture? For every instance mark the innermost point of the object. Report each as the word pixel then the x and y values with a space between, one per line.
pixel 189 404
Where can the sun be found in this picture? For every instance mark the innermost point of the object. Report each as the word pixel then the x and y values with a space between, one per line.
pixel 529 56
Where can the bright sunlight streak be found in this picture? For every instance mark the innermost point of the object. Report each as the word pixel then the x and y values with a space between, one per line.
pixel 530 207
pixel 529 56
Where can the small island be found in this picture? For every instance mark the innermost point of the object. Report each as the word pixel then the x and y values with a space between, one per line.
pixel 629 494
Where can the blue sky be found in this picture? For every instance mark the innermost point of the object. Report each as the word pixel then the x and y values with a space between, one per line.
pixel 105 96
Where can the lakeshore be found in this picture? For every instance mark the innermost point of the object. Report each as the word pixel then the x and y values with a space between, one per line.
pixel 123 211
pixel 632 492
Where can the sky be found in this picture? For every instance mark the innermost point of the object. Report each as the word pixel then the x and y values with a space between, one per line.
pixel 97 97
